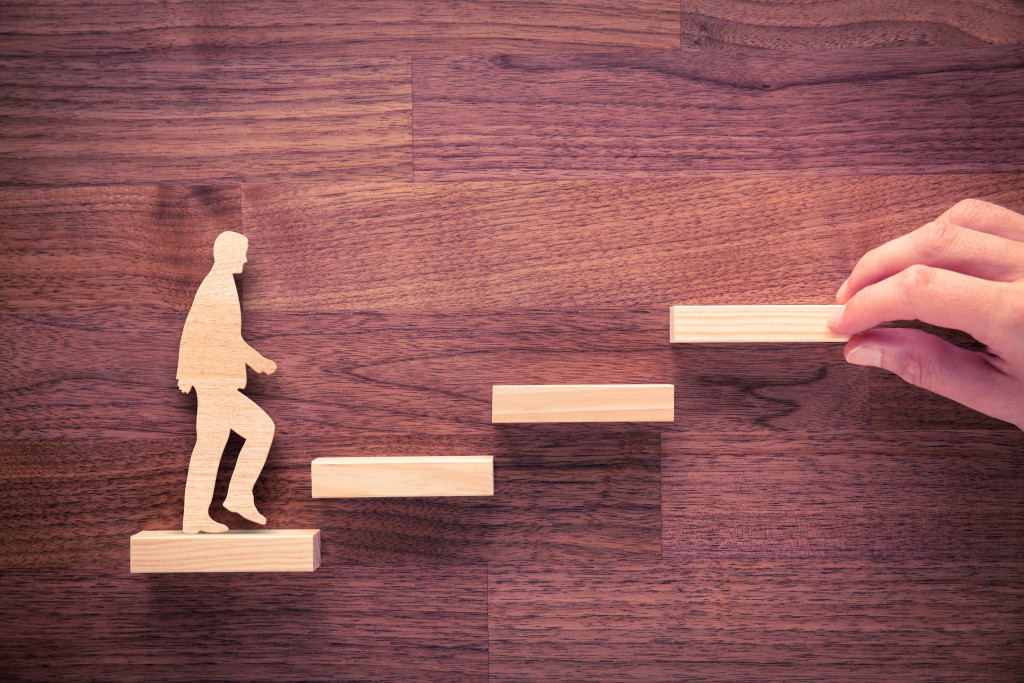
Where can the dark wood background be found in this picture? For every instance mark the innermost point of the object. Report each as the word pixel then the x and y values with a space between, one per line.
pixel 441 196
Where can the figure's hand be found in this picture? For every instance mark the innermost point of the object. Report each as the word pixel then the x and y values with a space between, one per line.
pixel 263 365
pixel 963 271
pixel 184 385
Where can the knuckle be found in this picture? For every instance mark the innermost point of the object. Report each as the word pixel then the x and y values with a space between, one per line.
pixel 916 279
pixel 967 210
pixel 914 370
pixel 937 239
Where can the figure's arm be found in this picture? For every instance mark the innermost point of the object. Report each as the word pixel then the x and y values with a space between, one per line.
pixel 257 362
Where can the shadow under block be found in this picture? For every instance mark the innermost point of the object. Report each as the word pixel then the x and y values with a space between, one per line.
pixel 583 403
pixel 264 550
pixel 732 324
pixel 403 476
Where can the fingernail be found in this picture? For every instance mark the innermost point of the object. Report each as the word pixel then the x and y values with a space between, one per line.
pixel 836 315
pixel 865 355
pixel 842 288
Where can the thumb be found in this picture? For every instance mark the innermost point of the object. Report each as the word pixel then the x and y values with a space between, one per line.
pixel 924 360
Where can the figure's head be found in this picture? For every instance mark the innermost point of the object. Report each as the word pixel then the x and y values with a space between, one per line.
pixel 229 251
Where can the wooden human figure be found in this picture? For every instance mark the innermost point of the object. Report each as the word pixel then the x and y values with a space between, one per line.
pixel 212 359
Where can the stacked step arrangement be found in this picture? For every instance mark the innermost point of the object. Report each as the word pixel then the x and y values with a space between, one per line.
pixel 473 475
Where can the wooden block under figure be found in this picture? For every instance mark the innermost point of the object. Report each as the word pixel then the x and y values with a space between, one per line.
pixel 583 403
pixel 403 476
pixel 737 324
pixel 263 550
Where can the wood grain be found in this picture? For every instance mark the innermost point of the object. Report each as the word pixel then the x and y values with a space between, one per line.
pixel 560 493
pixel 740 323
pixel 190 119
pixel 249 28
pixel 766 389
pixel 403 476
pixel 121 248
pixel 537 245
pixel 393 306
pixel 884 110
pixel 586 244
pixel 264 550
pixel 400 27
pixel 910 495
pixel 582 403
pixel 373 622
pixel 821 24
pixel 758 619
pixel 466 246
pixel 339 375
pixel 347 375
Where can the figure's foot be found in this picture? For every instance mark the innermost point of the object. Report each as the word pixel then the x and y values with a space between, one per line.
pixel 207 525
pixel 245 507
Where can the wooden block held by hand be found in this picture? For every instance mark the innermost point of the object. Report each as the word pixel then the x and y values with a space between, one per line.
pixel 736 324
pixel 583 403
pixel 263 550
pixel 403 476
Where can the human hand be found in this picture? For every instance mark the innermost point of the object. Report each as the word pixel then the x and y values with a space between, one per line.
pixel 963 271
pixel 184 385
pixel 263 365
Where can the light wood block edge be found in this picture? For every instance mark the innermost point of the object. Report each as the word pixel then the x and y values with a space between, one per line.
pixel 738 324
pixel 263 550
pixel 403 476
pixel 538 403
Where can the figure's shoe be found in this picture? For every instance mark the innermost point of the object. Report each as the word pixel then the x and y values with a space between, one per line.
pixel 207 525
pixel 245 507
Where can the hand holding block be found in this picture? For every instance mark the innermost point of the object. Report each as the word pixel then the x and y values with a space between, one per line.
pixel 274 550
pixel 583 403
pixel 403 476
pixel 734 324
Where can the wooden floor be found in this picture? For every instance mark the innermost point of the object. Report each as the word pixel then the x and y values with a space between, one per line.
pixel 442 196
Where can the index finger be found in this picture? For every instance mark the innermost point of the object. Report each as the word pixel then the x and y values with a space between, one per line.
pixel 939 245
pixel 976 214
pixel 934 296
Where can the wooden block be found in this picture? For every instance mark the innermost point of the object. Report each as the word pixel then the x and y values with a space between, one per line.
pixel 695 324
pixel 583 403
pixel 263 550
pixel 403 476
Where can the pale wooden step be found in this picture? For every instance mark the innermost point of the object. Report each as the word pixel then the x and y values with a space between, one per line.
pixel 734 324
pixel 583 403
pixel 263 550
pixel 403 476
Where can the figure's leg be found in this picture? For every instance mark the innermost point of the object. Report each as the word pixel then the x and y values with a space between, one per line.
pixel 211 437
pixel 256 427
